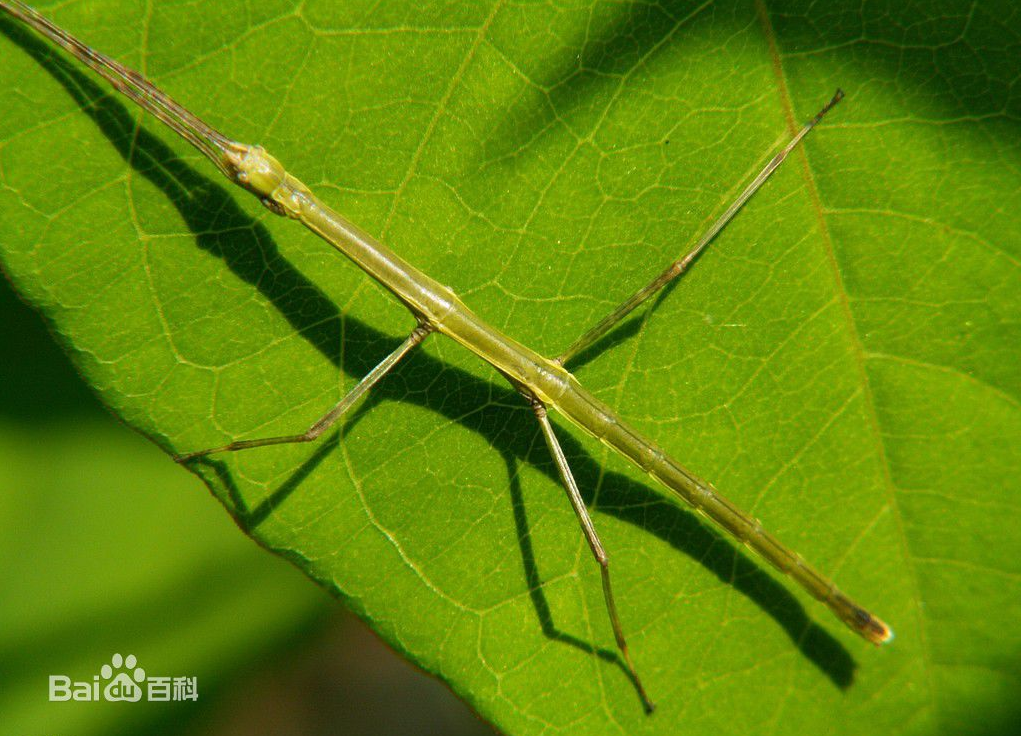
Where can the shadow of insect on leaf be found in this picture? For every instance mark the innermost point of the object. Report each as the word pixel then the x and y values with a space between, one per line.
pixel 221 227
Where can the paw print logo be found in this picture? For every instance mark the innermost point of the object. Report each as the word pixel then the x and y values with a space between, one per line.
pixel 122 686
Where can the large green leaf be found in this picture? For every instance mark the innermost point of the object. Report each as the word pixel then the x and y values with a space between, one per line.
pixel 843 362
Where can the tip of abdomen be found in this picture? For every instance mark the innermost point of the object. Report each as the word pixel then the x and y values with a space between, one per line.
pixel 871 627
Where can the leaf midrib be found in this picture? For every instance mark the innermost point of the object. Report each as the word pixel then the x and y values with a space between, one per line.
pixel 857 348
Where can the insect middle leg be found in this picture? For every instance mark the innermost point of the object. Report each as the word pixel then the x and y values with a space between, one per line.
pixel 316 430
pixel 591 536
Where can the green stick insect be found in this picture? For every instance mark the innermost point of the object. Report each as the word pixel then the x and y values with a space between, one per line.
pixel 543 382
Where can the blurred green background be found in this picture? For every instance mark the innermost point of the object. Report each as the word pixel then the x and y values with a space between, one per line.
pixel 90 519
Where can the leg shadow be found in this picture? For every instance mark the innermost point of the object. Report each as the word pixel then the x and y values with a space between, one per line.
pixel 248 518
pixel 534 580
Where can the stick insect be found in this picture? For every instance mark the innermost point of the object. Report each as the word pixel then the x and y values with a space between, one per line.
pixel 544 383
